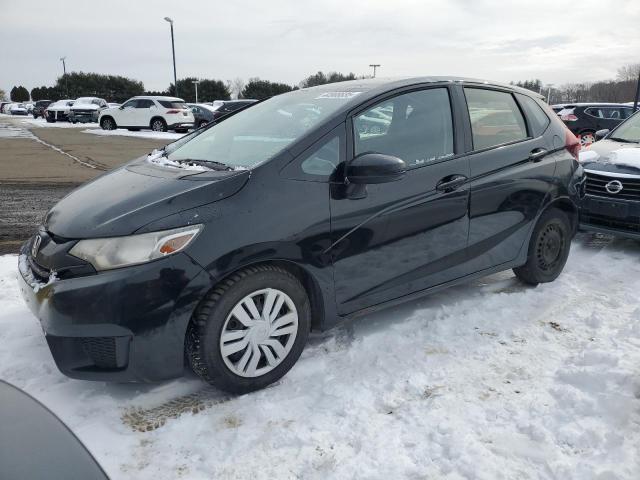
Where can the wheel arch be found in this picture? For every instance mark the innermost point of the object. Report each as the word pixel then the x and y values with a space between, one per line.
pixel 565 205
pixel 309 282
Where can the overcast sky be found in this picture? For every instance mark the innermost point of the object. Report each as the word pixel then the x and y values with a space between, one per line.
pixel 557 41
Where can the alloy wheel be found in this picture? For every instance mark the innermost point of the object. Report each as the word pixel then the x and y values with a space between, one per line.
pixel 157 126
pixel 259 333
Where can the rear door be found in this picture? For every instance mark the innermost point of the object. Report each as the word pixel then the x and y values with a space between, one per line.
pixel 393 239
pixel 144 111
pixel 512 167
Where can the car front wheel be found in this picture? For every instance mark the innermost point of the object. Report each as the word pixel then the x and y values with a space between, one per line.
pixel 548 248
pixel 108 123
pixel 250 330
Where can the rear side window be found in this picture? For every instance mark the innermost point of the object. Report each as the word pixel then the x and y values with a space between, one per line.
pixel 538 120
pixel 415 127
pixel 495 118
pixel 169 104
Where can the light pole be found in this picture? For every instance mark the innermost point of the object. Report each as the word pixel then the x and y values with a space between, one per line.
pixel 637 99
pixel 549 92
pixel 196 82
pixel 64 74
pixel 173 50
pixel 374 66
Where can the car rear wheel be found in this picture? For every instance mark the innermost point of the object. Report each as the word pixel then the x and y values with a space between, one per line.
pixel 108 123
pixel 587 138
pixel 250 330
pixel 548 248
pixel 202 123
pixel 158 125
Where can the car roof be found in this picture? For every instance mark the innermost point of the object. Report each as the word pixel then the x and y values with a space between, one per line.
pixel 593 104
pixel 158 97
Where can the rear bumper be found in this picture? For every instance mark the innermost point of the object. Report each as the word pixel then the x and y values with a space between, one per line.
pixel 122 325
pixel 180 125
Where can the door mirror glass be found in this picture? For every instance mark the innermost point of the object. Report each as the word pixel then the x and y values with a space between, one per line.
pixel 370 168
pixel 600 134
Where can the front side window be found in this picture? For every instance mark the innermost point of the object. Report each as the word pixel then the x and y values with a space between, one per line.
pixel 415 127
pixel 130 104
pixel 257 134
pixel 495 118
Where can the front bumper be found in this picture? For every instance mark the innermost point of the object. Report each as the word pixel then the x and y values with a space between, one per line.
pixel 612 216
pixel 123 325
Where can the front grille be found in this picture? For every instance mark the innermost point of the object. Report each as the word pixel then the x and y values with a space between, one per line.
pixel 628 224
pixel 101 351
pixel 596 186
pixel 39 271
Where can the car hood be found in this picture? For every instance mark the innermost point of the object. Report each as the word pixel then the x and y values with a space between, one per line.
pixel 124 200
pixel 612 156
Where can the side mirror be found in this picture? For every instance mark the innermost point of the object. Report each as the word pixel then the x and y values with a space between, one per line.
pixel 369 168
pixel 121 107
pixel 600 134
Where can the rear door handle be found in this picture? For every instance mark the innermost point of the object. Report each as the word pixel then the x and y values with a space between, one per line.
pixel 450 183
pixel 537 154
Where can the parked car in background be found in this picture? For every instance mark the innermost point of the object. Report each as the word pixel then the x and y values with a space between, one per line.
pixel 58 111
pixel 18 109
pixel 2 105
pixel 6 107
pixel 227 247
pixel 202 113
pixel 612 168
pixel 157 113
pixel 228 106
pixel 39 108
pixel 584 119
pixel 29 107
pixel 113 104
pixel 87 109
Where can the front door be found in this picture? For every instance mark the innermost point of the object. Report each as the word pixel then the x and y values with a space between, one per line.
pixel 126 115
pixel 392 239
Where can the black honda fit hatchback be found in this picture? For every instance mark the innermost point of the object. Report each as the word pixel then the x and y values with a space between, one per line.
pixel 224 249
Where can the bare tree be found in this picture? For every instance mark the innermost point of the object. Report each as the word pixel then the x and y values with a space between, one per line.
pixel 3 94
pixel 629 72
pixel 235 86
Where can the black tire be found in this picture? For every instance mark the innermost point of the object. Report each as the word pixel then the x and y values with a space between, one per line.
pixel 203 335
pixel 202 123
pixel 133 129
pixel 158 125
pixel 181 130
pixel 51 120
pixel 108 123
pixel 549 248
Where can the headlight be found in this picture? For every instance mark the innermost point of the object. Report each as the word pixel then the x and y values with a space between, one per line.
pixel 108 253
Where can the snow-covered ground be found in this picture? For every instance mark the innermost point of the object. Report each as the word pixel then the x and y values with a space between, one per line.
pixel 489 380
pixel 29 121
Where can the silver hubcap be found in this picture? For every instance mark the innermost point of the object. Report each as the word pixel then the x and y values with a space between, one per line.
pixel 587 139
pixel 259 332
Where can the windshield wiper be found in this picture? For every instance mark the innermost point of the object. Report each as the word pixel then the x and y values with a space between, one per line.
pixel 206 163
pixel 624 140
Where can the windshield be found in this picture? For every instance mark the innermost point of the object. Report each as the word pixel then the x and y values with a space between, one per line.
pixel 258 133
pixel 85 100
pixel 628 131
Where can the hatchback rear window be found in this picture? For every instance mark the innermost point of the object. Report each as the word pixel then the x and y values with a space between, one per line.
pixel 172 104
pixel 495 118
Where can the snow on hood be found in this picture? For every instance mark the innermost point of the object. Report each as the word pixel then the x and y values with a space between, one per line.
pixel 85 106
pixel 623 157
pixel 157 158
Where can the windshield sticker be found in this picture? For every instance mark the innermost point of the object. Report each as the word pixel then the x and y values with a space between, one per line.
pixel 337 95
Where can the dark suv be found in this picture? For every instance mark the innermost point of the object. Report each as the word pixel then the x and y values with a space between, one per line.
pixel 585 119
pixel 229 245
pixel 612 167
pixel 229 106
pixel 39 107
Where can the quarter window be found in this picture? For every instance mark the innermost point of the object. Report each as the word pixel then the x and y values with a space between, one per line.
pixel 322 160
pixel 495 118
pixel 538 120
pixel 416 127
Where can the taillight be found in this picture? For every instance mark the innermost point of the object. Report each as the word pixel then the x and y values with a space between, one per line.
pixel 572 144
pixel 173 111
pixel 568 118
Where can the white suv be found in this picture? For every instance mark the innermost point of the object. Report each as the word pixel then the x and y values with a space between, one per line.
pixel 157 113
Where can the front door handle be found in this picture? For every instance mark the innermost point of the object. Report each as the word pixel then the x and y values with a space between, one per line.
pixel 537 154
pixel 450 183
